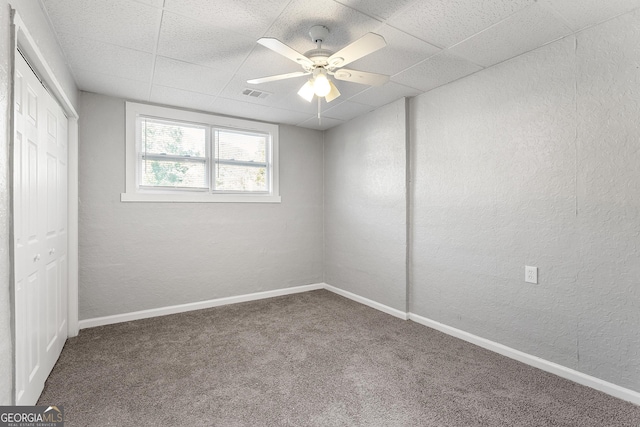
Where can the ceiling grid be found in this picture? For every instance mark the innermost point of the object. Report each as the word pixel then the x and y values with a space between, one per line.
pixel 199 54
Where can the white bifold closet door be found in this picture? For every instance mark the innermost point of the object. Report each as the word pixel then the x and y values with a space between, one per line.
pixel 40 232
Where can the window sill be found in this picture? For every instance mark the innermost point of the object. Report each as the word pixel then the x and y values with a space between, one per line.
pixel 199 198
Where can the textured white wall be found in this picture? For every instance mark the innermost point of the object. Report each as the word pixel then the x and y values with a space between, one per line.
pixel 535 161
pixel 37 24
pixel 365 206
pixel 137 256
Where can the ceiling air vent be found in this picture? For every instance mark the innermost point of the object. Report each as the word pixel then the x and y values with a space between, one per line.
pixel 255 93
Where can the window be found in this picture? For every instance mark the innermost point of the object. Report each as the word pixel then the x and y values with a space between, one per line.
pixel 240 161
pixel 180 156
pixel 172 154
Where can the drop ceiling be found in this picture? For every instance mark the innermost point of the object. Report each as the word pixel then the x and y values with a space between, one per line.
pixel 198 54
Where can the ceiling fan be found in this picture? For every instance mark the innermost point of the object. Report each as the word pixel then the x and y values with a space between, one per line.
pixel 321 63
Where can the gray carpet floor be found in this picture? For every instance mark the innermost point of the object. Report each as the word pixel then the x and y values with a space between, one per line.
pixel 311 359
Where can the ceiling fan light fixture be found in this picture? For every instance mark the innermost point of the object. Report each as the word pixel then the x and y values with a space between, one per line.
pixel 321 85
pixel 333 94
pixel 307 91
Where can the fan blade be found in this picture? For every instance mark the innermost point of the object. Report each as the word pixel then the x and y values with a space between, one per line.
pixel 278 77
pixel 365 45
pixel 333 94
pixel 284 50
pixel 362 77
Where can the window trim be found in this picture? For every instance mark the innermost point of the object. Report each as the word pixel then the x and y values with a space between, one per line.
pixel 135 194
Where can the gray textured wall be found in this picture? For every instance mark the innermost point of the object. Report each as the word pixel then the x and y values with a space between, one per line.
pixel 137 256
pixel 365 206
pixel 608 196
pixel 37 24
pixel 535 162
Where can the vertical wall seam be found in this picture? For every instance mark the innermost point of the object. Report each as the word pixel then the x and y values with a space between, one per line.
pixel 324 234
pixel 407 132
pixel 575 165
pixel 575 135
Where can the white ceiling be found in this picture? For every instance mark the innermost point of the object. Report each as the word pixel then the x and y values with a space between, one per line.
pixel 198 54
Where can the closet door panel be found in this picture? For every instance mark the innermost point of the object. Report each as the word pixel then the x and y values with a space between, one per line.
pixel 40 232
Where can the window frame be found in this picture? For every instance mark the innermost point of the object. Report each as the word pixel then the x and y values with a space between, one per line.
pixel 137 193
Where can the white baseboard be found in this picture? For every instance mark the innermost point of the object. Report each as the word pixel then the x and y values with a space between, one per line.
pixel 163 311
pixel 362 300
pixel 181 308
pixel 554 368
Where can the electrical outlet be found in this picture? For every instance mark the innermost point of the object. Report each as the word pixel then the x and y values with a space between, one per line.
pixel 530 274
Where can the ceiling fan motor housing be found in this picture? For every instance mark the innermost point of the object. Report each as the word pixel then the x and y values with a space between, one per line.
pixel 318 33
pixel 319 56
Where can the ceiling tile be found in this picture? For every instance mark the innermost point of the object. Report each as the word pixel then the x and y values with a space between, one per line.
pixel 436 71
pixel 347 110
pixel 180 98
pixel 236 108
pixel 293 101
pixel 249 17
pixel 277 89
pixel 345 24
pixel 383 9
pixel 95 56
pixel 402 51
pixel 447 22
pixel 590 12
pixel 194 78
pixel 383 95
pixel 349 89
pixel 120 22
pixel 323 124
pixel 524 31
pixel 111 85
pixel 202 43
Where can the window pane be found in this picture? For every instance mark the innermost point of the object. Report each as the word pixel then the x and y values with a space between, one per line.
pixel 169 173
pixel 241 146
pixel 178 139
pixel 241 178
